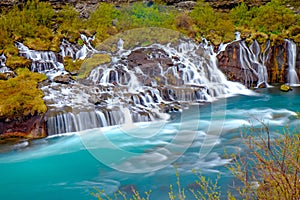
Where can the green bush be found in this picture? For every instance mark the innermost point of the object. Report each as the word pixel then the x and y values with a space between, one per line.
pixel 101 20
pixel 140 15
pixel 240 15
pixel 32 21
pixel 20 96
pixel 69 23
pixel 274 17
pixel 211 24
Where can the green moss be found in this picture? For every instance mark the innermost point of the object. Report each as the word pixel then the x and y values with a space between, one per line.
pixel 139 15
pixel 91 63
pixel 140 37
pixel 20 96
pixel 15 62
pixel 72 66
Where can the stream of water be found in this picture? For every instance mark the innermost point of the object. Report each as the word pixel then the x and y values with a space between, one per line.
pixel 115 158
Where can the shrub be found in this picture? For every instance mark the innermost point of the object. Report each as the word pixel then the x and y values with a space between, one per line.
pixel 32 21
pixel 69 23
pixel 141 15
pixel 20 96
pixel 274 17
pixel 270 170
pixel 213 25
pixel 240 15
pixel 101 20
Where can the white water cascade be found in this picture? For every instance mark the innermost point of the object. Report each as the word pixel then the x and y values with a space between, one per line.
pixel 3 67
pixel 50 63
pixel 140 85
pixel 42 61
pixel 78 52
pixel 254 59
pixel 291 56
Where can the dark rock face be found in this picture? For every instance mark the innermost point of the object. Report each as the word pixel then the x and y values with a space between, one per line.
pixel 226 5
pixel 229 63
pixel 276 64
pixel 217 4
pixel 32 127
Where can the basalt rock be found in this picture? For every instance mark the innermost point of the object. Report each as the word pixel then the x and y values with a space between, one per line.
pixel 85 6
pixel 63 78
pixel 276 64
pixel 31 127
pixel 230 65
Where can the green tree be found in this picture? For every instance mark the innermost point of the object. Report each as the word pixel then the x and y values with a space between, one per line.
pixel 240 15
pixel 273 17
pixel 140 15
pixel 101 20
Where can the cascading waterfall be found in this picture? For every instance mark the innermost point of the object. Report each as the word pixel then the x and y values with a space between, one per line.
pixel 254 60
pixel 42 61
pixel 49 63
pixel 78 52
pixel 291 56
pixel 139 85
pixel 3 67
pixel 153 79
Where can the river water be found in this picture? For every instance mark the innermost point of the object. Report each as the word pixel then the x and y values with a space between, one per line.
pixel 144 155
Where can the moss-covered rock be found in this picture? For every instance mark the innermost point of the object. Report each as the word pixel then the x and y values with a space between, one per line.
pixel 15 62
pixel 71 65
pixel 91 63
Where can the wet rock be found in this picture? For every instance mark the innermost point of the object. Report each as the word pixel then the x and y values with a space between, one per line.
pixel 64 78
pixel 262 85
pixel 7 75
pixel 186 5
pixel 276 64
pixel 30 127
pixel 285 88
pixel 229 63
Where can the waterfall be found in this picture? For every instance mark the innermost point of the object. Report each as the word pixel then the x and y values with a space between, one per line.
pixel 139 85
pixel 41 61
pixel 3 68
pixel 252 61
pixel 291 56
pixel 75 51
pixel 49 63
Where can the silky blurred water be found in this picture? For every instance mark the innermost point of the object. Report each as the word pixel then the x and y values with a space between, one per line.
pixel 143 156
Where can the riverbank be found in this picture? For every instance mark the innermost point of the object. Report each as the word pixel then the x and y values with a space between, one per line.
pixel 40 30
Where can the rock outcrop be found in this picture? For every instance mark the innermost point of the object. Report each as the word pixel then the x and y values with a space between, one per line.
pixel 30 127
pixel 85 6
pixel 276 64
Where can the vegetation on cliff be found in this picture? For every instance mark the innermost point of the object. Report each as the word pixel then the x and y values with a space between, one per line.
pixel 20 96
pixel 40 27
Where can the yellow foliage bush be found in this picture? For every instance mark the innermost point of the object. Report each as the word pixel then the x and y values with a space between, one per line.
pixel 20 96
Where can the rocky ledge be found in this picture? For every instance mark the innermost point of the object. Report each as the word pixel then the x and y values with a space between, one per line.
pixel 276 59
pixel 30 127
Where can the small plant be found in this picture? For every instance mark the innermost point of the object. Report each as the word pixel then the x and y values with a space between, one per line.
pixel 100 195
pixel 270 170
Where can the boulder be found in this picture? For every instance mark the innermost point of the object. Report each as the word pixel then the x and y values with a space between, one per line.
pixel 29 127
pixel 63 78
pixel 285 88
